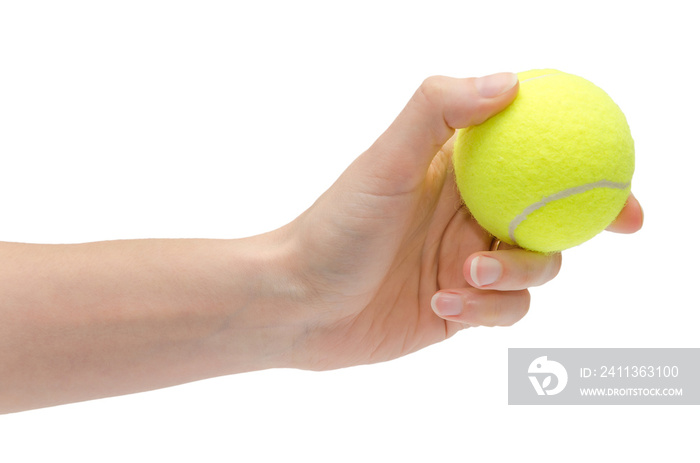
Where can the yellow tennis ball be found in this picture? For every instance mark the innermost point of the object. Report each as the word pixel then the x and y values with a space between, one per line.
pixel 553 169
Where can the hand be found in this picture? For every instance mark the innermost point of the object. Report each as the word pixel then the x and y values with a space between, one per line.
pixel 386 262
pixel 391 259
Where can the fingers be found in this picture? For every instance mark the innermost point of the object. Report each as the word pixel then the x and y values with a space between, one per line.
pixel 405 151
pixel 474 307
pixel 630 219
pixel 499 279
pixel 498 294
pixel 510 270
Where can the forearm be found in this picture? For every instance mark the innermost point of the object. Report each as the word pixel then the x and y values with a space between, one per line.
pixel 102 319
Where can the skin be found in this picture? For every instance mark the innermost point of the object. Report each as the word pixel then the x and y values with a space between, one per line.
pixel 366 274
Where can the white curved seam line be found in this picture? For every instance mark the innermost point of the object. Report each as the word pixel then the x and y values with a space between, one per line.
pixel 520 218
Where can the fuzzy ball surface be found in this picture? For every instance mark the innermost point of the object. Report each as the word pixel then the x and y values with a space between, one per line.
pixel 553 169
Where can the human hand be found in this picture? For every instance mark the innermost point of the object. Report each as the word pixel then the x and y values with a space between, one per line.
pixel 390 258
pixel 386 262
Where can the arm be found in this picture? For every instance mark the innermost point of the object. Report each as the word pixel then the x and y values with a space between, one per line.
pixel 101 319
pixel 379 267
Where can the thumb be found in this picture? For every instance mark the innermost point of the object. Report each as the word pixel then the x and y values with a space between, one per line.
pixel 404 152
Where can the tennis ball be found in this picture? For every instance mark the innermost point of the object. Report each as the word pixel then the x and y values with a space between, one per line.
pixel 550 171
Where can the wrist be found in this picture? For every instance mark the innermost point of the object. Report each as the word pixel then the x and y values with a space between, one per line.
pixel 266 304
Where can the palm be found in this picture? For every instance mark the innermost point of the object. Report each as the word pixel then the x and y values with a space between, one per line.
pixel 379 259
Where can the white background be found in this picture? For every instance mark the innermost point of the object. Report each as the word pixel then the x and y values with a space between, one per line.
pixel 137 119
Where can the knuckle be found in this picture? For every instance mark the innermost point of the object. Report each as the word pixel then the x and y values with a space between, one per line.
pixel 485 309
pixel 432 90
pixel 556 264
pixel 495 308
pixel 529 269
pixel 508 308
pixel 518 310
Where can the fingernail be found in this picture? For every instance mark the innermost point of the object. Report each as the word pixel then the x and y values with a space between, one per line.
pixel 447 304
pixel 485 270
pixel 495 84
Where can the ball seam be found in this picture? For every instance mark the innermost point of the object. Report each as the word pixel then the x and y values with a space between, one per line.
pixel 520 218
